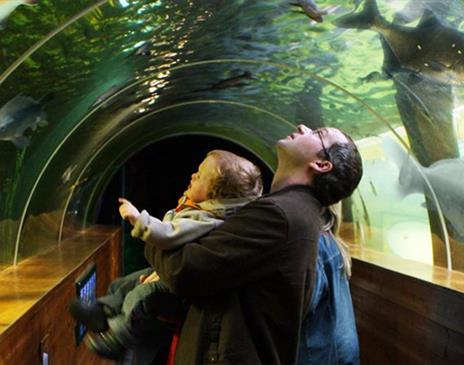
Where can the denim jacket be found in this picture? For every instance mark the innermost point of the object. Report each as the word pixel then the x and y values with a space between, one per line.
pixel 328 334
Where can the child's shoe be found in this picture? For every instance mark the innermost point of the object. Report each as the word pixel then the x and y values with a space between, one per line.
pixel 92 315
pixel 105 345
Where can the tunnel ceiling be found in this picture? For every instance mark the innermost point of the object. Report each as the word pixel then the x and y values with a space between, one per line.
pixel 95 81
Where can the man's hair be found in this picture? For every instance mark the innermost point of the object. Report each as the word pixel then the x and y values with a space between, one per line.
pixel 236 177
pixel 340 182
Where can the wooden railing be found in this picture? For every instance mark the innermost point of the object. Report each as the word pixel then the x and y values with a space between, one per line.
pixel 407 312
pixel 34 297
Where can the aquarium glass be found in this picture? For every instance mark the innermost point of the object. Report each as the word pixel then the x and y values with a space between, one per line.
pixel 86 84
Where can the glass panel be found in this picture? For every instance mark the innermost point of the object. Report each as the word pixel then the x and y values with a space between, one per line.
pixel 118 75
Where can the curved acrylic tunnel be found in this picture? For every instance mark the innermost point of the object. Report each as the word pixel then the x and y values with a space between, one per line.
pixel 112 77
pixel 103 98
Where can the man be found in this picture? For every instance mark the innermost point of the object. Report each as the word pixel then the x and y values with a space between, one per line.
pixel 249 282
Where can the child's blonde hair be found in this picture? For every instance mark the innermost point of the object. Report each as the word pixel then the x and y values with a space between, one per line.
pixel 236 177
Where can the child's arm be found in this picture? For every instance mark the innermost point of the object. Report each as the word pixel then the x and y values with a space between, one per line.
pixel 188 225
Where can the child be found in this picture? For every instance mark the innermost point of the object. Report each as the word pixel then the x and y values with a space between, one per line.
pixel 127 315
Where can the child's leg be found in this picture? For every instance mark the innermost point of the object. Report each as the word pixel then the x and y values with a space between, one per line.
pixel 139 321
pixel 147 295
pixel 94 315
pixel 120 287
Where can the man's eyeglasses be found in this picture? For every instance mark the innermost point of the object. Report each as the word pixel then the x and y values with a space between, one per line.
pixel 319 133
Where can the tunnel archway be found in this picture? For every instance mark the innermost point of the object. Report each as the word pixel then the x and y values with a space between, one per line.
pixel 155 177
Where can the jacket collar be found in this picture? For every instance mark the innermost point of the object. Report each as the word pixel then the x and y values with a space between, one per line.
pixel 297 187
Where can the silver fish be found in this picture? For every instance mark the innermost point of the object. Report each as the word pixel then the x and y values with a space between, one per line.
pixel 102 99
pixel 236 81
pixel 18 115
pixel 445 176
pixel 67 174
pixel 431 49
pixel 8 6
pixel 374 190
pixel 311 10
pixel 143 50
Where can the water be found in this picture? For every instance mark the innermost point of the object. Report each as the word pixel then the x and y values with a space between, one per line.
pixel 131 72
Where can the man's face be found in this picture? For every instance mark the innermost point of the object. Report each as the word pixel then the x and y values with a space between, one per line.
pixel 202 180
pixel 304 145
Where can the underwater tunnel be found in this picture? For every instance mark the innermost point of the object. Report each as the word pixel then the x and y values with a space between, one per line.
pixel 109 98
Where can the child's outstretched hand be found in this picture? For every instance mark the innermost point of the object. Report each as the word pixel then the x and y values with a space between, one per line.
pixel 144 279
pixel 128 211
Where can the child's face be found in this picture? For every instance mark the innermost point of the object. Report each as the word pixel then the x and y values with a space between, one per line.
pixel 201 181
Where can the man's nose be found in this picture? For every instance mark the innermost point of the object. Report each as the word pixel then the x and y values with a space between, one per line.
pixel 303 129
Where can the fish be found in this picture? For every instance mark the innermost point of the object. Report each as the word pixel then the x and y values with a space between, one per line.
pixel 430 50
pixel 235 81
pixel 308 105
pixel 8 6
pixel 18 115
pixel 356 4
pixel 445 177
pixel 67 174
pixel 374 76
pixel 411 11
pixel 79 183
pixel 365 214
pixel 414 9
pixel 143 50
pixel 367 220
pixel 103 100
pixel 310 8
pixel 374 190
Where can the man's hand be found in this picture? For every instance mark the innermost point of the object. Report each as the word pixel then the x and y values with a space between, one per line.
pixel 128 211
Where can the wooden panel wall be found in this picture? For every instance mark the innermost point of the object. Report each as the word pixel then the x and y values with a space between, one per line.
pixel 47 325
pixel 404 320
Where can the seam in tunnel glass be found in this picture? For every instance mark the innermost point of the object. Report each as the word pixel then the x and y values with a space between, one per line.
pixel 49 36
pixel 182 66
pixel 173 106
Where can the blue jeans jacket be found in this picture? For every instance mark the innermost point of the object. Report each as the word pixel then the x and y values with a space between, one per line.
pixel 328 334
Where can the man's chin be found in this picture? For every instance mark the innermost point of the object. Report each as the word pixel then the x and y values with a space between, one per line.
pixel 281 143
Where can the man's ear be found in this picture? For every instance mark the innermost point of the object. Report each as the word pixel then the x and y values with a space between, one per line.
pixel 321 166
